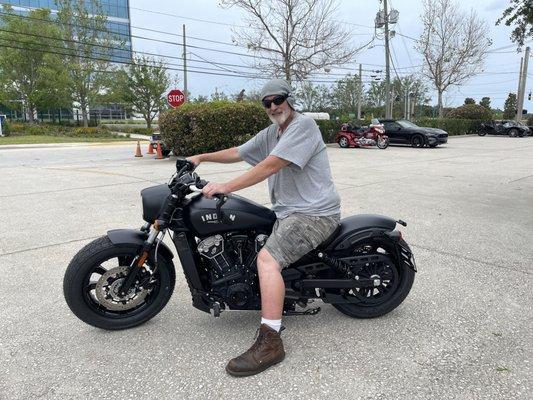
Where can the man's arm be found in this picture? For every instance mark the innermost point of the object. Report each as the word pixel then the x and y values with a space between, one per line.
pixel 223 156
pixel 269 166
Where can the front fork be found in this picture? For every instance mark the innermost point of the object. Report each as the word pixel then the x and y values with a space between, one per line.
pixel 139 261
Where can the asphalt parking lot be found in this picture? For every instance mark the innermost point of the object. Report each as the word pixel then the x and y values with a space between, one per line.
pixel 464 332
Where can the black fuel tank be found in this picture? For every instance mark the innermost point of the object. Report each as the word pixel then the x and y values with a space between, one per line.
pixel 240 214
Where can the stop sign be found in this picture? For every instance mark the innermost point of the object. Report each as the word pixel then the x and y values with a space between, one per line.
pixel 175 98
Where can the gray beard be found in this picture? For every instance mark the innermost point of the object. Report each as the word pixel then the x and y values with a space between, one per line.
pixel 280 119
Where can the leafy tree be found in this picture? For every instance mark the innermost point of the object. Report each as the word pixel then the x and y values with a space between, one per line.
pixel 510 106
pixel 470 111
pixel 219 96
pixel 519 14
pixel 89 47
pixel 313 97
pixel 344 94
pixel 485 102
pixel 27 72
pixel 200 99
pixel 470 100
pixel 416 89
pixel 375 94
pixel 143 85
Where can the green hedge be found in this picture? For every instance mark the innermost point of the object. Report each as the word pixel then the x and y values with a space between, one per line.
pixel 128 129
pixel 205 127
pixel 19 129
pixel 452 126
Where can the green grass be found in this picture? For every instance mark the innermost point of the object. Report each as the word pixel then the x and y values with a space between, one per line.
pixel 40 139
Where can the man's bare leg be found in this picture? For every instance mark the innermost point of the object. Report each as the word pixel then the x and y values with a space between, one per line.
pixel 272 286
pixel 268 348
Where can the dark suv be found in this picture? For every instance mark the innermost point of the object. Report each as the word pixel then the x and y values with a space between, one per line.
pixel 402 131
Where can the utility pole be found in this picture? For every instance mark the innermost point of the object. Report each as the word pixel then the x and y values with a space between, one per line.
pixel 388 108
pixel 406 106
pixel 519 86
pixel 184 65
pixel 360 91
pixel 522 86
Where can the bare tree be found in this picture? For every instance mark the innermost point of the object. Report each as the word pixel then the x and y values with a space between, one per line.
pixel 453 44
pixel 293 38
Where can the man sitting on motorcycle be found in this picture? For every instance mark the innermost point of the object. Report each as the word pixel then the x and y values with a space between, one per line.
pixel 291 154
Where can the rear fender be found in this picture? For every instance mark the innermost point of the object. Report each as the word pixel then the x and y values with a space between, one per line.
pixel 132 236
pixel 357 227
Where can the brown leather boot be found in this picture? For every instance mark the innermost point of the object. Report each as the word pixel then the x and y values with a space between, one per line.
pixel 265 352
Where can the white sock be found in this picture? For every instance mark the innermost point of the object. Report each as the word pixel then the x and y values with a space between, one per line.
pixel 272 323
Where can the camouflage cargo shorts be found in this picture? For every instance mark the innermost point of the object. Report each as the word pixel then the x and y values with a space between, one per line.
pixel 296 235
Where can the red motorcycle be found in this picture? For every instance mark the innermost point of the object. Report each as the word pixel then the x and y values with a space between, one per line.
pixel 354 136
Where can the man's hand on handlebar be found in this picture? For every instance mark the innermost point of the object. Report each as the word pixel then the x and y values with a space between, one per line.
pixel 195 160
pixel 213 188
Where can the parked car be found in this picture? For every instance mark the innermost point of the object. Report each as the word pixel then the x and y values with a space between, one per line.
pixel 504 127
pixel 156 137
pixel 405 132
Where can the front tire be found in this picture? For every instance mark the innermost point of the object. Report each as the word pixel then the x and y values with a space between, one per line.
pixel 382 143
pixel 96 271
pixel 513 132
pixel 343 142
pixel 418 141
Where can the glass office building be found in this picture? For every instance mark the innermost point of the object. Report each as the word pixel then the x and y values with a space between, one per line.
pixel 117 12
pixel 118 23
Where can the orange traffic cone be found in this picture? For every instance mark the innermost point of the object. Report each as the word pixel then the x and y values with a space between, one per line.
pixel 159 155
pixel 138 151
pixel 150 148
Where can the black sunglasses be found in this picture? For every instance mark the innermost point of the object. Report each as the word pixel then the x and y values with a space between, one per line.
pixel 278 100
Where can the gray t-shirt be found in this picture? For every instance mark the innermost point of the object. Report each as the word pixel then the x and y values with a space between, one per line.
pixel 305 185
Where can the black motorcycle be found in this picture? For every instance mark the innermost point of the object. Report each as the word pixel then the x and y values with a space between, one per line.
pixel 364 269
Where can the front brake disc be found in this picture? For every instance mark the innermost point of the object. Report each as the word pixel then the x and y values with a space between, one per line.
pixel 107 291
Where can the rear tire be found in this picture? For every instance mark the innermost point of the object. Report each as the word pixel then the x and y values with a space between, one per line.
pixel 86 268
pixel 513 132
pixel 370 304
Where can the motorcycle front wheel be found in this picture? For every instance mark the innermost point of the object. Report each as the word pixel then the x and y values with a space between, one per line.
pixel 382 143
pixel 93 279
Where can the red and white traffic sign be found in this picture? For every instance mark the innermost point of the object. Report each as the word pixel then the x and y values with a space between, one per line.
pixel 175 98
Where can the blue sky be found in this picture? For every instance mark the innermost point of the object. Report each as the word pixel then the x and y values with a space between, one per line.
pixel 498 77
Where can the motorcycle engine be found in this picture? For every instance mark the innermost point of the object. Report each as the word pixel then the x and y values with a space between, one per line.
pixel 232 267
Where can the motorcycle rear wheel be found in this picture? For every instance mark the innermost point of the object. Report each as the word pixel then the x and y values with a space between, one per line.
pixel 374 302
pixel 96 271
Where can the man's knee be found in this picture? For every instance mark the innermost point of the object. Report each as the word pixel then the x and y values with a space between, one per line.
pixel 266 263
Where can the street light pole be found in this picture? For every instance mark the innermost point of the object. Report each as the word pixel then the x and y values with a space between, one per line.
pixel 388 113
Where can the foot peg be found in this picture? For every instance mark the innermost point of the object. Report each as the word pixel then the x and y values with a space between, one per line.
pixel 309 311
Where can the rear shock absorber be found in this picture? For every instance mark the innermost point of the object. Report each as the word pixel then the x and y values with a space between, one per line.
pixel 335 263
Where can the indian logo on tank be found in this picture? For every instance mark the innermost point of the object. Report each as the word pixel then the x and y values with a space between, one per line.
pixel 210 218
